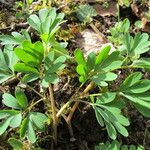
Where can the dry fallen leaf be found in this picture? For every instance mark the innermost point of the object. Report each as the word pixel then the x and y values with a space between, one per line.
pixel 140 12
pixel 111 10
pixel 89 41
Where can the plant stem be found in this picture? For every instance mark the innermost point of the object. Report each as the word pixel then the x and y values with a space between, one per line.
pixel 30 107
pixel 31 88
pixel 97 94
pixel 89 87
pixel 51 94
pixel 59 113
pixel 118 11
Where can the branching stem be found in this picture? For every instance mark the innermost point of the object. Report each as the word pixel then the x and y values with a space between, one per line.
pixel 89 87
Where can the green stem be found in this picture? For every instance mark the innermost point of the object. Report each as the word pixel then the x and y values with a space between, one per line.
pixel 97 94
pixel 118 11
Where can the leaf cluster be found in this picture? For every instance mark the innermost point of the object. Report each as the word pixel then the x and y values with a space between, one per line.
pixel 115 145
pixel 15 117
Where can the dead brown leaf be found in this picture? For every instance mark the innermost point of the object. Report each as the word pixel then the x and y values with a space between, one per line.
pixel 140 12
pixel 89 41
pixel 103 11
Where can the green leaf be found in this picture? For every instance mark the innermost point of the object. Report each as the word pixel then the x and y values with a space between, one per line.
pixel 39 120
pixel 85 12
pixel 104 77
pixel 143 110
pixel 115 145
pixel 31 133
pixel 142 63
pixel 16 121
pixel 49 59
pixel 141 43
pixel 131 80
pixel 8 39
pixel 44 13
pixel 140 148
pixel 7 61
pixel 98 116
pixel 81 70
pixel 3 63
pixel 132 147
pixel 103 54
pixel 141 96
pixel 117 32
pixel 30 77
pixel 51 78
pixel 10 57
pixel 24 127
pixel 49 20
pixel 124 147
pixel 30 54
pixel 26 35
pixel 60 59
pixel 3 115
pixel 59 48
pixel 106 98
pixel 138 24
pixel 15 143
pixel 9 112
pixel 139 87
pixel 21 98
pixel 4 77
pixel 137 45
pixel 15 39
pixel 91 61
pixel 111 113
pixel 111 130
pixel 34 22
pixel 54 68
pixel 78 54
pixel 136 100
pixel 4 125
pixel 21 67
pixel 121 129
pixel 10 101
pixel 112 62
pixel 82 79
pixel 47 23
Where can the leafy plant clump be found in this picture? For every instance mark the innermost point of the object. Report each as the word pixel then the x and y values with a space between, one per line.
pixel 115 145
pixel 43 61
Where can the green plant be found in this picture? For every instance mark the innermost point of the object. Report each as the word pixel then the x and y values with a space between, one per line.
pixel 15 143
pixel 115 145
pixel 118 31
pixel 7 60
pixel 125 3
pixel 43 61
pixel 85 13
pixel 21 116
